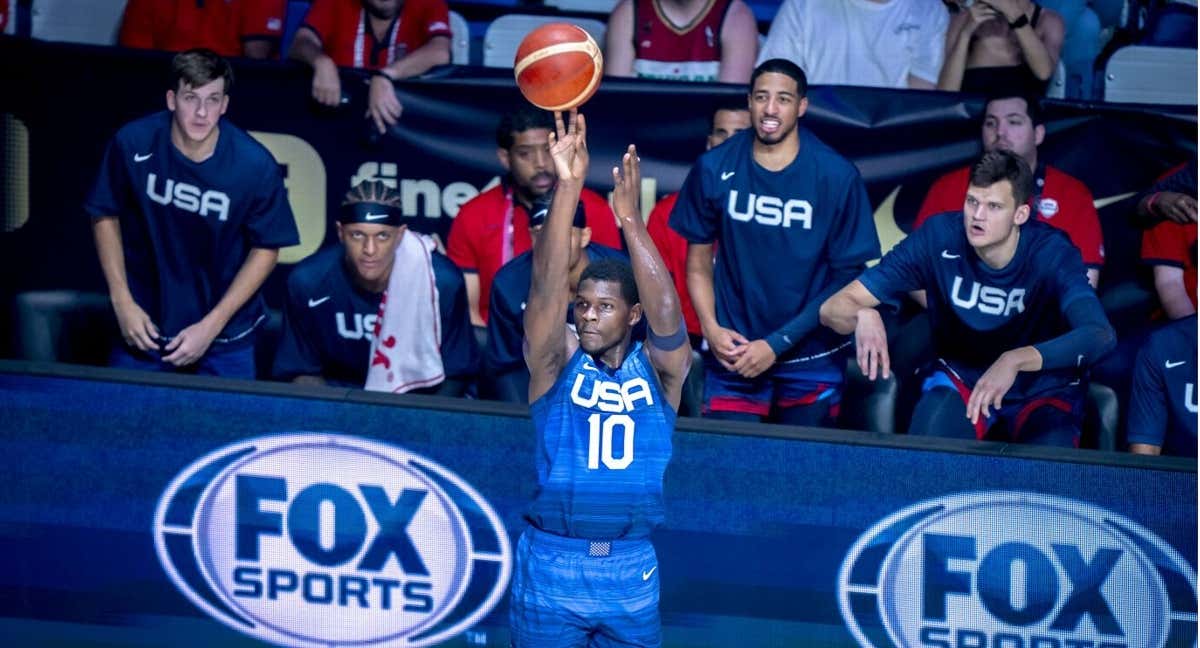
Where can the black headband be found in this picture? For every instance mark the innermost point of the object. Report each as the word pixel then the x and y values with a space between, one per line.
pixel 541 209
pixel 371 212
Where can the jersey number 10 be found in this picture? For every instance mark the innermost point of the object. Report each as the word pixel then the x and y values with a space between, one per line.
pixel 600 441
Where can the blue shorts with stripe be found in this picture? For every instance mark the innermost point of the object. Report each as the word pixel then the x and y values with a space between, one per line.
pixel 787 384
pixel 576 592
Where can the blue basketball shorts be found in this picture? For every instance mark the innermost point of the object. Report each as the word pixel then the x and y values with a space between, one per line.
pixel 576 592
pixel 787 384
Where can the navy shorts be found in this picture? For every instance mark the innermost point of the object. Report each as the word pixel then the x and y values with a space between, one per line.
pixel 575 592
pixel 787 384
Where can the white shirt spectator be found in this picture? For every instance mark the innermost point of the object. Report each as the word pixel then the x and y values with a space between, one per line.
pixel 881 43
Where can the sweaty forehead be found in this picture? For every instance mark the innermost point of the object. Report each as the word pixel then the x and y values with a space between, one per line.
pixel 597 290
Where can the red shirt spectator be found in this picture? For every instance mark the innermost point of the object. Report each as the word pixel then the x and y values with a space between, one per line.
pixel 673 249
pixel 3 15
pixel 476 240
pixel 342 27
pixel 229 28
pixel 1063 202
pixel 1171 248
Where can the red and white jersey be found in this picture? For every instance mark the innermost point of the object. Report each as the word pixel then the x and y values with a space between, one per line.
pixel 691 52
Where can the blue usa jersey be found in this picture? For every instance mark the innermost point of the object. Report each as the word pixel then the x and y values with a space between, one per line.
pixel 329 321
pixel 506 309
pixel 187 227
pixel 977 312
pixel 1162 402
pixel 604 440
pixel 783 236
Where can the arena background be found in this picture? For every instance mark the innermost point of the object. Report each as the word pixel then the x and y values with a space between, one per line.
pixel 759 518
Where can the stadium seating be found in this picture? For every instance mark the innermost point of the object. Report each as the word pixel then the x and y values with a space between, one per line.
pixel 460 43
pixel 1152 75
pixel 505 33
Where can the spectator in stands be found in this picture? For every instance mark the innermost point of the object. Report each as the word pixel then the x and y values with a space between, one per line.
pixel 774 197
pixel 880 43
pixel 503 356
pixel 333 299
pixel 493 227
pixel 1172 198
pixel 682 40
pixel 189 213
pixel 1009 46
pixel 726 121
pixel 1162 404
pixel 1016 124
pixel 250 28
pixel 395 39
pixel 1014 321
pixel 1168 209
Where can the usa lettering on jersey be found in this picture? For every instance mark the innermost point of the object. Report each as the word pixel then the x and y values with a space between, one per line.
pixel 609 396
pixel 770 210
pixel 988 299
pixel 188 197
pixel 364 326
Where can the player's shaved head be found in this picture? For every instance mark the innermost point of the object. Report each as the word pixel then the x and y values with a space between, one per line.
pixel 616 271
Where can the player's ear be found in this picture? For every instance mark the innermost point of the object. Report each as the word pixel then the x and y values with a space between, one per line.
pixel 171 100
pixel 224 103
pixel 803 107
pixel 502 155
pixel 1039 134
pixel 635 314
pixel 1021 215
pixel 585 237
pixel 341 235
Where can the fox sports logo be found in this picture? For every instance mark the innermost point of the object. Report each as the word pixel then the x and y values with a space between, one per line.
pixel 331 541
pixel 1015 570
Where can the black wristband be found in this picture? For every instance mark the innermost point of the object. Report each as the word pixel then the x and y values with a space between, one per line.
pixel 1019 22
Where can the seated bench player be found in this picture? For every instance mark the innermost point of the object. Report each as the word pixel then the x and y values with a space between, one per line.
pixel 333 300
pixel 1014 320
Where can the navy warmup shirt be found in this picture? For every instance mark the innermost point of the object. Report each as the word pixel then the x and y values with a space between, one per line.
pixel 783 237
pixel 187 227
pixel 977 312
pixel 1162 402
pixel 328 321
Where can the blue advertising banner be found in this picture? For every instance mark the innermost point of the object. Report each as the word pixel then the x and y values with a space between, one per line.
pixel 166 510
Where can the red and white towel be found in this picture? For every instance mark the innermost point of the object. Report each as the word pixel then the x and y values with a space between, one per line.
pixel 406 350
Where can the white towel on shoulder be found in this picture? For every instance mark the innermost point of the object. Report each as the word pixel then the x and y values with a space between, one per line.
pixel 406 350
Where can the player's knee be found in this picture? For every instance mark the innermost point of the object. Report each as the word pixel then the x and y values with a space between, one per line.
pixel 941 412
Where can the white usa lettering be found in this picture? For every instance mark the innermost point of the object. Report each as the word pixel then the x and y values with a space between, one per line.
pixel 771 211
pixel 188 197
pixel 1189 399
pixel 988 299
pixel 364 326
pixel 608 396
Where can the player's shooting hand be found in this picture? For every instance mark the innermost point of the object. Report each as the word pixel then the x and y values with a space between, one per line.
pixel 136 326
pixel 627 187
pixel 992 386
pixel 568 147
pixel 326 84
pixel 757 357
pixel 1176 207
pixel 383 106
pixel 191 344
pixel 871 345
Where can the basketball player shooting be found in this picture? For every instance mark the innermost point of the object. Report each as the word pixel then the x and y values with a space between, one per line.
pixel 604 409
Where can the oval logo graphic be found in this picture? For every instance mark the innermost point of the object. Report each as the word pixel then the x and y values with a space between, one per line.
pixel 327 540
pixel 1015 569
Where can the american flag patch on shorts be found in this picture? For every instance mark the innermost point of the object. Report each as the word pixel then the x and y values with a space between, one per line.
pixel 599 549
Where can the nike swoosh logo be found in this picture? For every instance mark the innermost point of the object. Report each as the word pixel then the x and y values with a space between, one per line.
pixel 375 217
pixel 1172 365
pixel 1101 203
pixel 727 175
pixel 647 574
pixel 313 303
pixel 946 255
pixel 142 158
pixel 587 366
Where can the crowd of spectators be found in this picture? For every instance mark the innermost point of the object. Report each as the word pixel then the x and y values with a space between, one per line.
pixel 767 354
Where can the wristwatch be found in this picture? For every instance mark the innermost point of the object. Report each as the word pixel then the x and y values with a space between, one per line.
pixel 1019 22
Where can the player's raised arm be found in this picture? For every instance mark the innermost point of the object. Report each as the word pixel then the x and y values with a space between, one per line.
pixel 668 341
pixel 548 344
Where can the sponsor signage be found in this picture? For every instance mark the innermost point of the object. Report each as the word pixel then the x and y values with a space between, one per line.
pixel 328 540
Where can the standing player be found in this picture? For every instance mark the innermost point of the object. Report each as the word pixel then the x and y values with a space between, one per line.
pixel 1162 403
pixel 794 224
pixel 1014 320
pixel 333 299
pixel 189 213
pixel 604 410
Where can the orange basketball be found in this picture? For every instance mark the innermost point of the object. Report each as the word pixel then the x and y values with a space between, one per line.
pixel 558 66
